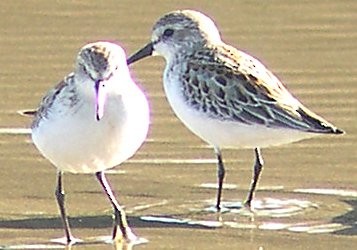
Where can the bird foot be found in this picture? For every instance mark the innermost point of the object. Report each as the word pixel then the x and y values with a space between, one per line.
pixel 65 241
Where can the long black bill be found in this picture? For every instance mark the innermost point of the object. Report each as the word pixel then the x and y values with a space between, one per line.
pixel 144 52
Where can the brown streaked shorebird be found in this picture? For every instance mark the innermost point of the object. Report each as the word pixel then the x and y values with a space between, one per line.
pixel 93 120
pixel 225 96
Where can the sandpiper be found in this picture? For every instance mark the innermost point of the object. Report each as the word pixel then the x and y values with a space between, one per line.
pixel 93 120
pixel 223 95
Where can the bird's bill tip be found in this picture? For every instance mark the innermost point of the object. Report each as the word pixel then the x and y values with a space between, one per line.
pixel 339 131
pixel 27 112
pixel 100 96
pixel 142 53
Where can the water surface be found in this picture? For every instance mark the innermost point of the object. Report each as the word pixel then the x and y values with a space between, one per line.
pixel 307 195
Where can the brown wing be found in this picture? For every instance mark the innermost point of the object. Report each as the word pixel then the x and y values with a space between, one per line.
pixel 230 85
pixel 49 99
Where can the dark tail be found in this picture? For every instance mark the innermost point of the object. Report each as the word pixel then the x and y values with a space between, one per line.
pixel 318 124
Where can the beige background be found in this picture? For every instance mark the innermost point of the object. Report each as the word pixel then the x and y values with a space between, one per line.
pixel 310 45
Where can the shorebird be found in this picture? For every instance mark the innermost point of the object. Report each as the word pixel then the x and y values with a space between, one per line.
pixel 225 96
pixel 93 120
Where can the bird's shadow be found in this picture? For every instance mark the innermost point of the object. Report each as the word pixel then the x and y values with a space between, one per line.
pixel 348 219
pixel 96 221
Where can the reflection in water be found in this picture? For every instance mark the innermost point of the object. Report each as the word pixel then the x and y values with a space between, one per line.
pixel 266 212
pixel 174 161
pixel 307 227
pixel 267 207
pixel 63 241
pixel 317 228
pixel 94 241
pixel 34 246
pixel 15 131
pixel 189 222
pixel 337 192
pixel 215 185
pixel 234 186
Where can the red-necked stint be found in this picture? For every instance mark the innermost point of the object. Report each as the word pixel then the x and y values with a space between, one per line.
pixel 93 120
pixel 223 95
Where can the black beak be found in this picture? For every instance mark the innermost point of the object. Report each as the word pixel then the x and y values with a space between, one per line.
pixel 144 52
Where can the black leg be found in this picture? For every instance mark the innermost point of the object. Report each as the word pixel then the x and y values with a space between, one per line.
pixel 119 214
pixel 60 200
pixel 258 166
pixel 220 174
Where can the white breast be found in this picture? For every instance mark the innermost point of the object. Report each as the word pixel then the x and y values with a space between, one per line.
pixel 77 142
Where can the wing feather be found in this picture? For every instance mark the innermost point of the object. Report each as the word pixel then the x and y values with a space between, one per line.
pixel 230 85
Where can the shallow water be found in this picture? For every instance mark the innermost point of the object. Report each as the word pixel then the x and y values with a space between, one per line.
pixel 306 198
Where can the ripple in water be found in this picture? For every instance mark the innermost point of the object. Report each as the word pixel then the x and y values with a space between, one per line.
pixel 324 191
pixel 268 214
pixel 268 207
pixel 265 209
pixel 60 243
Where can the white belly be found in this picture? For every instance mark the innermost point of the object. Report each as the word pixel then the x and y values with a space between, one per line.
pixel 227 134
pixel 79 143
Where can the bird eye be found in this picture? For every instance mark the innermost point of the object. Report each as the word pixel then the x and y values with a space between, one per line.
pixel 168 32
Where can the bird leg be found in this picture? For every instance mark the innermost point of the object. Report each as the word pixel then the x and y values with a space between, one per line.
pixel 60 200
pixel 220 174
pixel 119 214
pixel 258 166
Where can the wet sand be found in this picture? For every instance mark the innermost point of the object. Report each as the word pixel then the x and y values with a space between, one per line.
pixel 307 196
